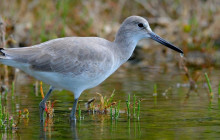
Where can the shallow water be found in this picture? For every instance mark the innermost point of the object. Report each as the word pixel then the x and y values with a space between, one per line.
pixel 174 115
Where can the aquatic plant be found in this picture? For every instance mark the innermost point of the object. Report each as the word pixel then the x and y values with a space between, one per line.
pixel 109 101
pixel 103 106
pixel 11 122
pixel 24 114
pixel 139 108
pixel 117 110
pixel 12 89
pixel 111 112
pixel 79 111
pixel 105 103
pixel 128 106
pixel 134 103
pixel 6 122
pixel 209 85
pixel 7 117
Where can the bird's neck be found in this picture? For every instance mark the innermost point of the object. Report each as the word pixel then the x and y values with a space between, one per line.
pixel 125 44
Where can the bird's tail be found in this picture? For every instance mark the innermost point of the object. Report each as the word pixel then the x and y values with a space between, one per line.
pixel 2 54
pixel 3 57
pixel 6 59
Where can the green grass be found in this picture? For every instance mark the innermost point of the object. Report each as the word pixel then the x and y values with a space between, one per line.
pixel 108 102
pixel 128 106
pixel 5 122
pixel 116 107
pixel 11 122
pixel 134 103
pixel 209 85
pixel 111 112
pixel 139 109
pixel 117 110
pixel 79 111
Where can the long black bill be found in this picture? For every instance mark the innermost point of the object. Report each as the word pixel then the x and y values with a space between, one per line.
pixel 164 42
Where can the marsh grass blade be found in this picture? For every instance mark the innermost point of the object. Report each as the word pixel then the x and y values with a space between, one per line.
pixel 111 112
pixel 128 106
pixel 134 103
pixel 139 108
pixel 209 85
pixel 79 113
pixel 118 108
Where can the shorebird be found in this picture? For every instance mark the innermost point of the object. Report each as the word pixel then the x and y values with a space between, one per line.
pixel 80 63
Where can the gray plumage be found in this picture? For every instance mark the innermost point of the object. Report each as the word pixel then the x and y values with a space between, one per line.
pixel 72 55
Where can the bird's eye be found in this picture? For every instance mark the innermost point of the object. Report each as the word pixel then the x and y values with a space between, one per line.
pixel 140 25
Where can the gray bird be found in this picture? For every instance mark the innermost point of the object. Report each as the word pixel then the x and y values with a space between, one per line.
pixel 80 63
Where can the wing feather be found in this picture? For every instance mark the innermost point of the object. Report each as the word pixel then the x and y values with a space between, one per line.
pixel 66 55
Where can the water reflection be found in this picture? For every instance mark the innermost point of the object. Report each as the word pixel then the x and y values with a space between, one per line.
pixel 129 128
pixel 118 129
pixel 42 131
pixel 176 108
pixel 74 130
pixel 47 128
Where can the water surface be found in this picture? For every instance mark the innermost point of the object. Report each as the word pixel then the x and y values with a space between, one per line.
pixel 178 114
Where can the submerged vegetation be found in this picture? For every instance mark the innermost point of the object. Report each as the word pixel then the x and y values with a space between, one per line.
pixel 7 121
pixel 209 86
pixel 128 106
pixel 103 106
pixel 136 104
pixel 108 106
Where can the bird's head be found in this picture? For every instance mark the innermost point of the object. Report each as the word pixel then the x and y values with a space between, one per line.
pixel 137 28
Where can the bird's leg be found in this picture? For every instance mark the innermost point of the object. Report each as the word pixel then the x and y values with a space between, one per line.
pixel 42 104
pixel 73 112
